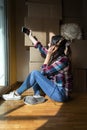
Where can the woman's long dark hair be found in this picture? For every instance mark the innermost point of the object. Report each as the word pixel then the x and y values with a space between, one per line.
pixel 61 47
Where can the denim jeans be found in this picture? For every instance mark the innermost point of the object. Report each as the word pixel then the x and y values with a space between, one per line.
pixel 36 80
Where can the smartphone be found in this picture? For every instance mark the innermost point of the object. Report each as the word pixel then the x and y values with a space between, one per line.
pixel 25 30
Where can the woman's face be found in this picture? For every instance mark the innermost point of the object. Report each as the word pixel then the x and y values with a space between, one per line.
pixel 55 47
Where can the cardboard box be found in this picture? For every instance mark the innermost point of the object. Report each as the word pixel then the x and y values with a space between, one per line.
pixel 79 53
pixel 42 29
pixel 41 36
pixel 27 41
pixel 34 66
pixel 46 10
pixel 35 55
pixel 79 80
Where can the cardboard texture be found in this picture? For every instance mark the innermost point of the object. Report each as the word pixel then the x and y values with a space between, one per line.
pixel 34 66
pixel 35 55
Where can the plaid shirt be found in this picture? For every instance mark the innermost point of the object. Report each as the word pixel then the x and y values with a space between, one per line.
pixel 59 71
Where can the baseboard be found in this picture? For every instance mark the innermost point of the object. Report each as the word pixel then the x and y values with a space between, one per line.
pixel 7 89
pixel 4 90
pixel 16 85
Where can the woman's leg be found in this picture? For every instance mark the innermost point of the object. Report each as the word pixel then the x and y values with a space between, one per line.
pixel 54 92
pixel 36 89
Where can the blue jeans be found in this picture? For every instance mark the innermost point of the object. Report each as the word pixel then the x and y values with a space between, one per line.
pixel 37 80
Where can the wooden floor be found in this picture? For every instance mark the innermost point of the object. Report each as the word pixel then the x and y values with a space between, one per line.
pixel 15 115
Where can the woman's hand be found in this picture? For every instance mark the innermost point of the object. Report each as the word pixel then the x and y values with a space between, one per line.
pixel 50 52
pixel 30 34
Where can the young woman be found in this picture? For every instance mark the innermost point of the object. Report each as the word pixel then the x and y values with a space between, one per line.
pixel 54 78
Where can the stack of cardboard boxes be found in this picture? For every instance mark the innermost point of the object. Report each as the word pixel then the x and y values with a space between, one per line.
pixel 43 19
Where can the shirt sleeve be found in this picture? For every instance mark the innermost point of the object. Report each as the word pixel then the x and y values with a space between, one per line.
pixel 52 69
pixel 41 48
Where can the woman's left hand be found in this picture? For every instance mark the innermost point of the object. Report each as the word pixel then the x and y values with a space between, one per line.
pixel 51 50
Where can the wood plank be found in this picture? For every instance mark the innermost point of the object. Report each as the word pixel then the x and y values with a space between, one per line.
pixel 15 115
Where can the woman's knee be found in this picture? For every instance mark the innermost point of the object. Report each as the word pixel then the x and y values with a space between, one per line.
pixel 35 72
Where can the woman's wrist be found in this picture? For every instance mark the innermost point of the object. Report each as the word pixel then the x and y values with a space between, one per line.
pixel 47 59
